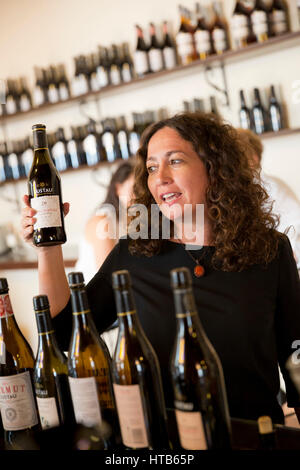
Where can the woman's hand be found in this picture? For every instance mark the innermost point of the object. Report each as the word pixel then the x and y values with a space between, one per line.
pixel 28 220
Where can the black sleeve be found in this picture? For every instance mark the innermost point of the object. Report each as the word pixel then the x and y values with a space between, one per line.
pixel 288 316
pixel 101 301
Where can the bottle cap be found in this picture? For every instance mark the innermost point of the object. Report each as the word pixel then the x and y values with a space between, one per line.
pixel 3 284
pixel 265 425
pixel 40 302
pixel 121 279
pixel 75 279
pixel 180 278
pixel 38 127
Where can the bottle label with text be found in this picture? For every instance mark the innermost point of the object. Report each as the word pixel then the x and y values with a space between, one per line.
pixel 48 211
pixel 48 412
pixel 85 400
pixel 191 430
pixel 5 306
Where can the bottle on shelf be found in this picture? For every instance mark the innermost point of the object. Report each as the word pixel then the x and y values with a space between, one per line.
pixel 155 52
pixel 168 49
pixel 6 170
pixel 11 103
pixel 80 82
pixel 44 189
pixel 241 26
pixel 92 145
pixel 52 85
pixel 199 105
pixel 50 374
pixel 18 405
pixel 115 65
pixel 200 399
pixel 279 17
pixel 244 113
pixel 63 84
pixel 123 138
pixel 75 148
pixel 136 376
pixel 27 156
pixel 213 105
pixel 13 163
pixel 260 18
pixel 25 96
pixel 185 39
pixel 109 140
pixel 258 113
pixel 134 134
pixel 202 34
pixel 140 55
pixel 219 31
pixel 19 148
pixel 91 60
pixel 267 436
pixel 60 152
pixel 275 112
pixel 89 366
pixel 103 67
pixel 126 64
pixel 39 91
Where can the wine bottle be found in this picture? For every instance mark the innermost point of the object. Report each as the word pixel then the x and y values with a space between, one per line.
pixel 199 105
pixel 115 65
pixel 123 138
pixel 39 91
pixel 60 152
pixel 103 68
pixel 200 399
pixel 63 84
pixel 279 17
pixel 140 56
pixel 25 97
pixel 260 20
pixel 27 156
pixel 127 71
pixel 169 50
pixel 44 191
pixel 155 51
pixel 75 149
pixel 202 34
pixel 89 366
pixel 219 32
pixel 241 26
pixel 136 376
pixel 11 104
pixel 275 112
pixel 134 135
pixel 6 168
pixel 185 39
pixel 258 114
pixel 52 84
pixel 93 146
pixel 17 399
pixel 244 113
pixel 213 105
pixel 50 372
pixel 19 148
pixel 2 163
pixel 267 436
pixel 13 162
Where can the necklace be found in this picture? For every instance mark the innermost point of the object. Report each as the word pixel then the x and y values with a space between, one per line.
pixel 199 270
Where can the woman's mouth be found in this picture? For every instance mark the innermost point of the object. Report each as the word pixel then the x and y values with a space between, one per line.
pixel 170 198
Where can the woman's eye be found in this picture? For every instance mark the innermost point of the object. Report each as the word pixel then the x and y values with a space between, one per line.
pixel 174 161
pixel 150 169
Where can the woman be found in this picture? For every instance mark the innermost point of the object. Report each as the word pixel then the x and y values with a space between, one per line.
pixel 249 296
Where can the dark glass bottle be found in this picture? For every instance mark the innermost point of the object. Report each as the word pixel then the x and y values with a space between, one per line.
pixel 52 84
pixel 109 140
pixel 279 17
pixel 275 112
pixel 258 114
pixel 140 56
pixel 103 68
pixel 202 34
pixel 114 65
pixel 60 152
pixel 11 103
pixel 25 96
pixel 156 62
pixel 17 399
pixel 123 137
pixel 168 49
pixel 89 367
pixel 260 18
pixel 185 39
pixel 200 399
pixel 39 91
pixel 63 84
pixel 244 113
pixel 44 191
pixel 50 374
pixel 219 31
pixel 92 145
pixel 127 70
pixel 136 376
pixel 241 26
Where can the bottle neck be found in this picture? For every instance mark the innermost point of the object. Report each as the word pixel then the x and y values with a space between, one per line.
pixel 126 310
pixel 187 318
pixel 7 318
pixel 80 308
pixel 40 139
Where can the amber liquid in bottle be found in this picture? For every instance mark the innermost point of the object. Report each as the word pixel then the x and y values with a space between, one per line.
pixel 44 189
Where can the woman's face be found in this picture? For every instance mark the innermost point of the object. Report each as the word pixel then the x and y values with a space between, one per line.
pixel 176 174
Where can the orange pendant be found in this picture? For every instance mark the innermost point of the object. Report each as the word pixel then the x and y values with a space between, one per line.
pixel 199 270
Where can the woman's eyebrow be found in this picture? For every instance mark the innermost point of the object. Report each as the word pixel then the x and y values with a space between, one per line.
pixel 166 155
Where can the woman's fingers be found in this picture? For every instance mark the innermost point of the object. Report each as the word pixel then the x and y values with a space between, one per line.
pixel 66 206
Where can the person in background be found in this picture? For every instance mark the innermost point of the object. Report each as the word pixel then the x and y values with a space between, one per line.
pixel 286 204
pixel 248 296
pixel 97 240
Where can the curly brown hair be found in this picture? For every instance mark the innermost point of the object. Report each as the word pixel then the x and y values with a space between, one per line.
pixel 243 226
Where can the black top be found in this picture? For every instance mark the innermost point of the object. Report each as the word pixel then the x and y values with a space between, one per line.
pixel 251 317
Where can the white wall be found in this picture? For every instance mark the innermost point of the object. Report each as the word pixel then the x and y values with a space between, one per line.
pixel 39 32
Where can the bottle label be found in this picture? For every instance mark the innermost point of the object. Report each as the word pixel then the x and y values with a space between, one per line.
pixel 5 306
pixel 11 107
pixel 48 412
pixel 95 86
pixel 85 400
pixel 72 149
pixel 156 60
pixel 13 163
pixel 90 148
pixel 122 139
pixel 48 211
pixel 18 410
pixel 191 430
pixel 219 39
pixel 27 159
pixel 126 73
pixel 131 416
pixel 102 76
pixel 140 62
pixel 169 57
pixel 63 92
pixel 202 39
pixel 108 143
pixel 58 152
pixel 53 94
pixel 134 143
pixel 115 75
pixel 38 96
pixel 24 103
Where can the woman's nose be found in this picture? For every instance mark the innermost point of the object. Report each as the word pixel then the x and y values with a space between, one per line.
pixel 163 175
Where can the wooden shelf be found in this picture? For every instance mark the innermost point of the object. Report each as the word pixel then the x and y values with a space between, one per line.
pixel 253 50
pixel 281 133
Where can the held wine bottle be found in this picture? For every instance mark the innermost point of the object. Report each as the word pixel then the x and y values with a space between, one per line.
pixel 17 399
pixel 50 372
pixel 200 400
pixel 89 367
pixel 44 191
pixel 136 376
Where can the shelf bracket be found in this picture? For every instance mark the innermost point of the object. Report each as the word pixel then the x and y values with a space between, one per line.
pixel 223 90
